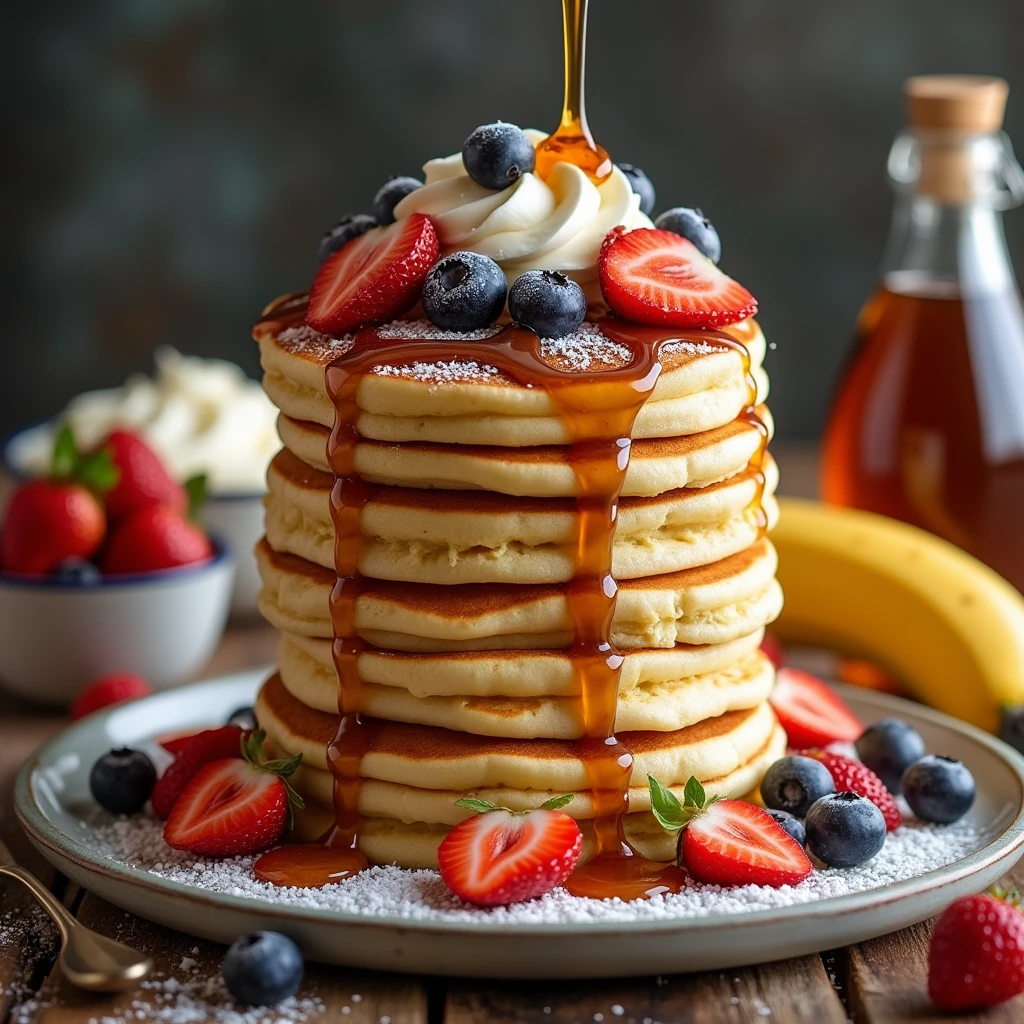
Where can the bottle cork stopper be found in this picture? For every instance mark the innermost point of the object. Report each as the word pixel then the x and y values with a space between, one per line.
pixel 958 103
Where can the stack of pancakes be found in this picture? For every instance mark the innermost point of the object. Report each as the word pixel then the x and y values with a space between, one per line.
pixel 468 544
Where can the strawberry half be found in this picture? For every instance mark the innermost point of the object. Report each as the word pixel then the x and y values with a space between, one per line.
pixel 810 711
pixel 728 842
pixel 856 777
pixel 196 752
pixel 499 856
pixel 376 276
pixel 233 806
pixel 652 276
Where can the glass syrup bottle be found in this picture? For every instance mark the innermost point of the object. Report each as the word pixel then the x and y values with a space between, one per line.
pixel 928 422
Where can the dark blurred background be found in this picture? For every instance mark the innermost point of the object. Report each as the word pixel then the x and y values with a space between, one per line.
pixel 170 165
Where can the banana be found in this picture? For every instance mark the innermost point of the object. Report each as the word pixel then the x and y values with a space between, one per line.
pixel 948 626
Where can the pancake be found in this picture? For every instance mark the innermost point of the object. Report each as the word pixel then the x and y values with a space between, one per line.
pixel 413 844
pixel 656 704
pixel 452 537
pixel 493 673
pixel 656 465
pixel 700 387
pixel 706 605
pixel 427 757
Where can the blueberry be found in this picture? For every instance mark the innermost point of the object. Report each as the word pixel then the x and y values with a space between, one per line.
pixel 464 292
pixel 244 718
pixel 844 830
pixel 350 226
pixel 390 194
pixel 263 969
pixel 495 155
pixel 122 780
pixel 793 783
pixel 790 824
pixel 549 303
pixel 692 224
pixel 77 571
pixel 938 788
pixel 641 185
pixel 1011 727
pixel 889 748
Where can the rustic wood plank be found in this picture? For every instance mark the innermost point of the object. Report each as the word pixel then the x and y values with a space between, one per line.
pixel 887 978
pixel 790 992
pixel 187 976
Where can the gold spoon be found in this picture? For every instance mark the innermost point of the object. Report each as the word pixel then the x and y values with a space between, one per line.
pixel 87 959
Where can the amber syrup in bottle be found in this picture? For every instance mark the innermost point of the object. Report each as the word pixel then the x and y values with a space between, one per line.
pixel 928 423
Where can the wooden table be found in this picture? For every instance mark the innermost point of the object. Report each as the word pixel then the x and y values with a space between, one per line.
pixel 875 982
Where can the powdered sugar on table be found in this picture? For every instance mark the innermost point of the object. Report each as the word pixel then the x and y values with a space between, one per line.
pixel 398 894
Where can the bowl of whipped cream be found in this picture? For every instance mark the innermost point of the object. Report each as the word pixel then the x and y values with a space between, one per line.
pixel 200 416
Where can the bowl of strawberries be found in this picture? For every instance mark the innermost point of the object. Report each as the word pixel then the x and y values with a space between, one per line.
pixel 103 568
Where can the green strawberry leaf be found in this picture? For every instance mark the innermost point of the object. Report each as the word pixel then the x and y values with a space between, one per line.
pixel 694 793
pixel 197 489
pixel 471 803
pixel 665 806
pixel 98 472
pixel 65 459
pixel 556 803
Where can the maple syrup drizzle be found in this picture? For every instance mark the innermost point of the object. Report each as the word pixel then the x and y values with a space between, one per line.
pixel 572 141
pixel 599 410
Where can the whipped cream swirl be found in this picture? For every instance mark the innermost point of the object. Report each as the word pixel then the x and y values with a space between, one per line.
pixel 199 415
pixel 534 224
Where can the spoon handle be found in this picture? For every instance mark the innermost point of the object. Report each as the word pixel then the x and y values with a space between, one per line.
pixel 61 917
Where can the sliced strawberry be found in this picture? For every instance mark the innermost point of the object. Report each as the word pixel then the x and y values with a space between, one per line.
pixel 107 690
pixel 233 807
pixel 856 777
pixel 810 711
pixel 175 742
pixel 651 276
pixel 727 842
pixel 199 750
pixel 376 276
pixel 736 843
pixel 500 857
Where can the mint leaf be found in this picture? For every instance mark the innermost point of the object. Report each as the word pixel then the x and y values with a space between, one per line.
pixel 665 806
pixel 471 803
pixel 694 794
pixel 65 459
pixel 197 489
pixel 556 803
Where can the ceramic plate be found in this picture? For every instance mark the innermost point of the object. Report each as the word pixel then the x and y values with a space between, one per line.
pixel 54 806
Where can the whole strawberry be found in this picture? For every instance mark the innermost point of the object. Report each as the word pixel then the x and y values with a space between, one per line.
pixel 977 953
pixel 143 481
pixel 155 537
pixel 855 777
pixel 235 806
pixel 107 690
pixel 51 521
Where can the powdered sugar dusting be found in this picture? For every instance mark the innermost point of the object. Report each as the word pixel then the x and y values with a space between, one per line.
pixel 305 339
pixel 424 330
pixel 692 348
pixel 440 372
pixel 193 999
pixel 399 894
pixel 584 349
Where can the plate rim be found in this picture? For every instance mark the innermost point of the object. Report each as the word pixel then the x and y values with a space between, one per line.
pixel 47 835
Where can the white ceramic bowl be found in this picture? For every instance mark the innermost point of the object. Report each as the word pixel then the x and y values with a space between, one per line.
pixel 235 518
pixel 57 637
